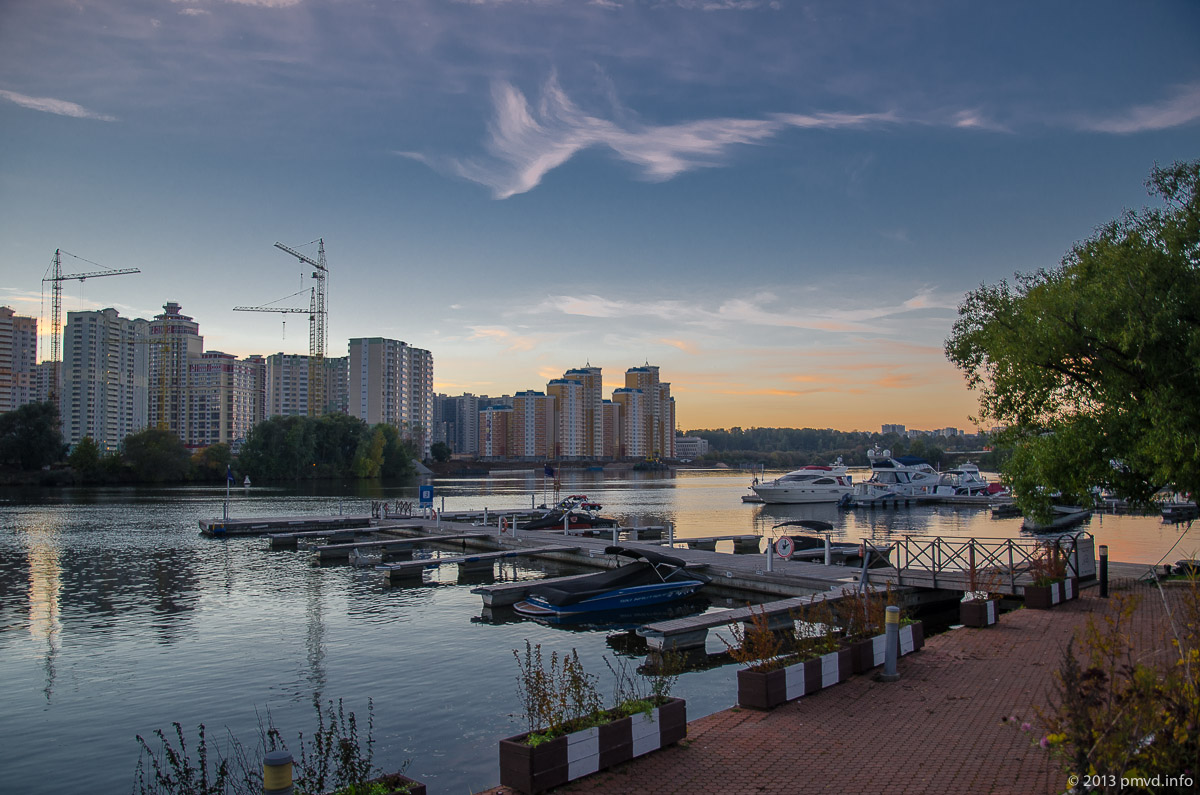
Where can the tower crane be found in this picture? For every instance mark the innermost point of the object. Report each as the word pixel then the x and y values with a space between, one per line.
pixel 318 334
pixel 56 279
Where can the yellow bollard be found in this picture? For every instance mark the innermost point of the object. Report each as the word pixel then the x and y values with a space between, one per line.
pixel 277 773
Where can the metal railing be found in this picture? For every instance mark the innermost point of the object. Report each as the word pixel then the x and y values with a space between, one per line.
pixel 982 563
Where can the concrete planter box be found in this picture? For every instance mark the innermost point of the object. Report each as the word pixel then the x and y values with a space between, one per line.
pixel 1044 597
pixel 554 763
pixel 871 652
pixel 768 690
pixel 979 612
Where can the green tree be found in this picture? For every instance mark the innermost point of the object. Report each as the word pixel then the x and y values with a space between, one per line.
pixel 397 454
pixel 212 462
pixel 369 461
pixel 157 455
pixel 30 437
pixel 440 451
pixel 85 458
pixel 1094 366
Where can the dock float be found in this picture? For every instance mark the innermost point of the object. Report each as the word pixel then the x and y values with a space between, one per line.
pixel 742 544
pixel 266 525
pixel 691 632
pixel 292 540
pixel 409 571
pixel 341 551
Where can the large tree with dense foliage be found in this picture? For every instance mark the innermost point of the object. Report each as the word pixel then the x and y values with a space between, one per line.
pixel 30 437
pixel 1094 366
pixel 336 445
pixel 156 455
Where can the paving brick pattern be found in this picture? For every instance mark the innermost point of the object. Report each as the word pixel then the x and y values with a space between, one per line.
pixel 941 729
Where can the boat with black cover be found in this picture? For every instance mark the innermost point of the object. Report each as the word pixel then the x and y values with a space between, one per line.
pixel 653 578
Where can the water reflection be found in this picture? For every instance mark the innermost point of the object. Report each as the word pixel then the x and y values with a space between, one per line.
pixel 45 583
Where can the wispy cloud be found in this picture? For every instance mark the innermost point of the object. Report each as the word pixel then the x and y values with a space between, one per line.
pixel 1183 107
pixel 526 141
pixel 59 107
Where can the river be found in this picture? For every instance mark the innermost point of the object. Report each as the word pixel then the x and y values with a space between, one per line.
pixel 117 618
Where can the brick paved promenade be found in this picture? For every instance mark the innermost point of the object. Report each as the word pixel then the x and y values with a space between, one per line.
pixel 940 729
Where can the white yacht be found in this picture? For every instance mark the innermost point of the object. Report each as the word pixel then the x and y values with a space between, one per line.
pixel 902 476
pixel 807 484
pixel 965 480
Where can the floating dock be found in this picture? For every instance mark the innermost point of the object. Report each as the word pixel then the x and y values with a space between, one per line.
pixel 265 525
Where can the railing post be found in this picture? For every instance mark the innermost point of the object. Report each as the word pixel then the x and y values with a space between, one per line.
pixel 1012 569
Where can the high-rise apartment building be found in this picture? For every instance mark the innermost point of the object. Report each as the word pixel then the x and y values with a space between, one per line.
pixel 660 410
pixel 224 398
pixel 633 424
pixel 534 429
pixel 456 420
pixel 574 437
pixel 610 413
pixel 592 382
pixel 495 431
pixel 287 376
pixel 18 359
pixel 104 375
pixel 391 381
pixel 174 339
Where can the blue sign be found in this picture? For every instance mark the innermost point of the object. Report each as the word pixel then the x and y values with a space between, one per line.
pixel 426 496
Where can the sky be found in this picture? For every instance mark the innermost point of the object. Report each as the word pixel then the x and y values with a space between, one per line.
pixel 781 204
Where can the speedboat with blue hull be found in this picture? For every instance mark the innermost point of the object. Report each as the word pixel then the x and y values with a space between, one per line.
pixel 653 578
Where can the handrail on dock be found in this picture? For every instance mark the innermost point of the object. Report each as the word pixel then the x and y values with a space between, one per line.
pixel 1001 564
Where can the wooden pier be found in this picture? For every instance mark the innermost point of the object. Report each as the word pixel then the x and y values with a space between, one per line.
pixel 341 551
pixel 273 524
pixel 410 570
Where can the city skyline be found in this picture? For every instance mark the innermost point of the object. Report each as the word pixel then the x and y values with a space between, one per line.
pixel 779 204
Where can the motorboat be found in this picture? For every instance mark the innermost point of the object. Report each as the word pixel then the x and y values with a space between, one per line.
pixel 575 512
pixel 652 578
pixel 1064 517
pixel 806 485
pixel 966 481
pixel 897 477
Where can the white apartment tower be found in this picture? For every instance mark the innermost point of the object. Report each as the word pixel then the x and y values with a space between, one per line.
pixel 574 439
pixel 660 410
pixel 18 359
pixel 592 404
pixel 104 378
pixel 391 381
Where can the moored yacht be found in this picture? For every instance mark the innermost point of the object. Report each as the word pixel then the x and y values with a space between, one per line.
pixel 807 484
pixel 902 476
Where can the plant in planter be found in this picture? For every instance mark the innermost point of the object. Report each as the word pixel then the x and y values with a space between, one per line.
pixel 571 735
pixel 980 605
pixel 863 615
pixel 1050 585
pixel 777 672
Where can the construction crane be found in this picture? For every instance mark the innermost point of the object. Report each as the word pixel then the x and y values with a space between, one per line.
pixel 318 334
pixel 56 279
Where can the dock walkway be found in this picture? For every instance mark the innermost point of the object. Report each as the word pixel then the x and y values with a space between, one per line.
pixel 946 726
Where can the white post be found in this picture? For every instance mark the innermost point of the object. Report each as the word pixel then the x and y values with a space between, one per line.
pixel 770 555
pixel 670 534
pixel 828 551
pixel 566 522
pixel 616 531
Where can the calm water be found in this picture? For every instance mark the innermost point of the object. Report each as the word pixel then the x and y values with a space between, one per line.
pixel 117 618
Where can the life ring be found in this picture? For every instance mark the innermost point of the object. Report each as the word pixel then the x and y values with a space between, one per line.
pixel 574 519
pixel 504 525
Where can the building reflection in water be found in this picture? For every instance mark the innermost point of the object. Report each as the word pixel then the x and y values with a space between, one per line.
pixel 45 585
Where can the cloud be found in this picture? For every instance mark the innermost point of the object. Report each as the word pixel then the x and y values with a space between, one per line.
pixel 266 3
pixel 528 141
pixel 1180 109
pixel 682 345
pixel 515 342
pixel 596 306
pixel 193 12
pixel 58 107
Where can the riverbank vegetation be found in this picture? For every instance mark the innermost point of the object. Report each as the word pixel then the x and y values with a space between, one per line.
pixel 787 448
pixel 282 448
